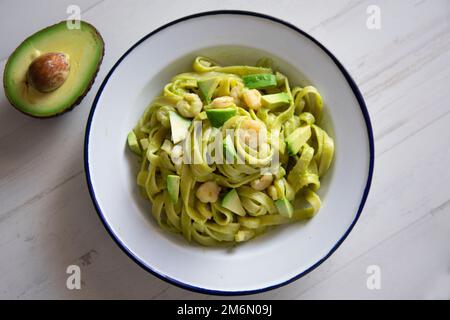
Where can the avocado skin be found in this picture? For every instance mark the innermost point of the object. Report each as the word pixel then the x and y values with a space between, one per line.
pixel 80 98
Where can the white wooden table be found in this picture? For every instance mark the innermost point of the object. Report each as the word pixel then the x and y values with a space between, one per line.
pixel 47 221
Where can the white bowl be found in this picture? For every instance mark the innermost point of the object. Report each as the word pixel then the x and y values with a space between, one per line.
pixel 232 37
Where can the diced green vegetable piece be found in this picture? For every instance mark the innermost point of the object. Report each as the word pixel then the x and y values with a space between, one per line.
pixel 218 117
pixel 232 202
pixel 229 149
pixel 284 207
pixel 173 187
pixel 179 127
pixel 133 144
pixel 273 101
pixel 207 88
pixel 260 81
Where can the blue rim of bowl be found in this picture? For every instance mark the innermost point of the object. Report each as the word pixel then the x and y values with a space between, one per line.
pixel 187 286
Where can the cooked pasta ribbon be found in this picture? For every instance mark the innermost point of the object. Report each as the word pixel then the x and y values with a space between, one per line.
pixel 221 203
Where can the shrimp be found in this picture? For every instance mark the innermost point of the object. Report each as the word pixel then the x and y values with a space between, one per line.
pixel 252 125
pixel 236 93
pixel 222 102
pixel 253 133
pixel 190 106
pixel 163 115
pixel 177 155
pixel 208 192
pixel 262 183
pixel 252 98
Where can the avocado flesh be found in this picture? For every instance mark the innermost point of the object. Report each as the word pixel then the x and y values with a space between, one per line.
pixel 173 187
pixel 207 88
pixel 133 143
pixel 260 81
pixel 229 150
pixel 218 117
pixel 284 207
pixel 85 49
pixel 179 127
pixel 276 100
pixel 232 202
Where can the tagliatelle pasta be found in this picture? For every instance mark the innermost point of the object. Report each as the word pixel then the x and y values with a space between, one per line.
pixel 229 151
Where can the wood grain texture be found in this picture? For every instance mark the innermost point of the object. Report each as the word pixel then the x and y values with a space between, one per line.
pixel 47 220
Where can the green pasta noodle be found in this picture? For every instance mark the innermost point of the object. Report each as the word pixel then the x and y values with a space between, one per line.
pixel 222 163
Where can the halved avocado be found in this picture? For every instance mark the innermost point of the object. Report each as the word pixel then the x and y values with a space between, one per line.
pixel 51 71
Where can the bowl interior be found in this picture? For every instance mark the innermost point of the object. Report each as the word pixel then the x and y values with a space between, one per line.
pixel 281 254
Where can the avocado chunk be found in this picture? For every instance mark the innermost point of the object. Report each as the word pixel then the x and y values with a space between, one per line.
pixel 276 100
pixel 260 81
pixel 173 187
pixel 232 202
pixel 133 143
pixel 244 235
pixel 284 207
pixel 50 72
pixel 297 139
pixel 207 88
pixel 218 117
pixel 179 127
pixel 229 150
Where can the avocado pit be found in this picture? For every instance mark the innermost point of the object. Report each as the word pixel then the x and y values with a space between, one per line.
pixel 49 71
